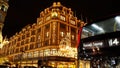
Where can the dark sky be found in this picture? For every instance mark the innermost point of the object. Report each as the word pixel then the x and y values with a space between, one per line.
pixel 23 12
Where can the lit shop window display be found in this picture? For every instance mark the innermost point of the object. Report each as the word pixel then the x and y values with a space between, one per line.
pixel 24 55
pixel 47 52
pixel 70 52
pixel 41 52
pixel 36 53
pixel 54 52
pixel 30 55
pixel 65 47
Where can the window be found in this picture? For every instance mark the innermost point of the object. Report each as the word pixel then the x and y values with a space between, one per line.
pixel 47 18
pixel 73 33
pixel 33 32
pixel 35 53
pixel 32 39
pixel 22 43
pixel 47 28
pixel 27 41
pixel 23 36
pixel 18 44
pixel 21 49
pixel 14 42
pixel 73 37
pixel 24 55
pixel 26 47
pixel 47 34
pixel 19 39
pixel 39 45
pixel 30 54
pixel 41 52
pixel 62 34
pixel 39 39
pixel 31 46
pixel 62 18
pixel 39 30
pixel 54 14
pixel 28 34
pixel 2 7
pixel 54 52
pixel 72 22
pixel 62 30
pixel 47 52
pixel 40 22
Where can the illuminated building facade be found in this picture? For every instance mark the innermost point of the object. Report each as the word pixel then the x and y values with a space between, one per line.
pixel 3 11
pixel 52 40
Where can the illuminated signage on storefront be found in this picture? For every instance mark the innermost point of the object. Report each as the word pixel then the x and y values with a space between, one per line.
pixel 114 42
pixel 103 43
pixel 98 44
pixel 92 44
pixel 87 44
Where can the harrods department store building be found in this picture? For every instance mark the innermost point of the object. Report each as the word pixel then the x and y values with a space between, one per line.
pixel 52 39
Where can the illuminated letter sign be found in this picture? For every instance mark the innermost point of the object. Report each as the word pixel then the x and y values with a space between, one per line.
pixel 113 42
pixel 87 45
pixel 96 44
pixel 99 44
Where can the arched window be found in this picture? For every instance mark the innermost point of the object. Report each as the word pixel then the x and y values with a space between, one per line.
pixel 2 7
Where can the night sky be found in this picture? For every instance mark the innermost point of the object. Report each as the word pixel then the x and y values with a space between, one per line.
pixel 24 12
